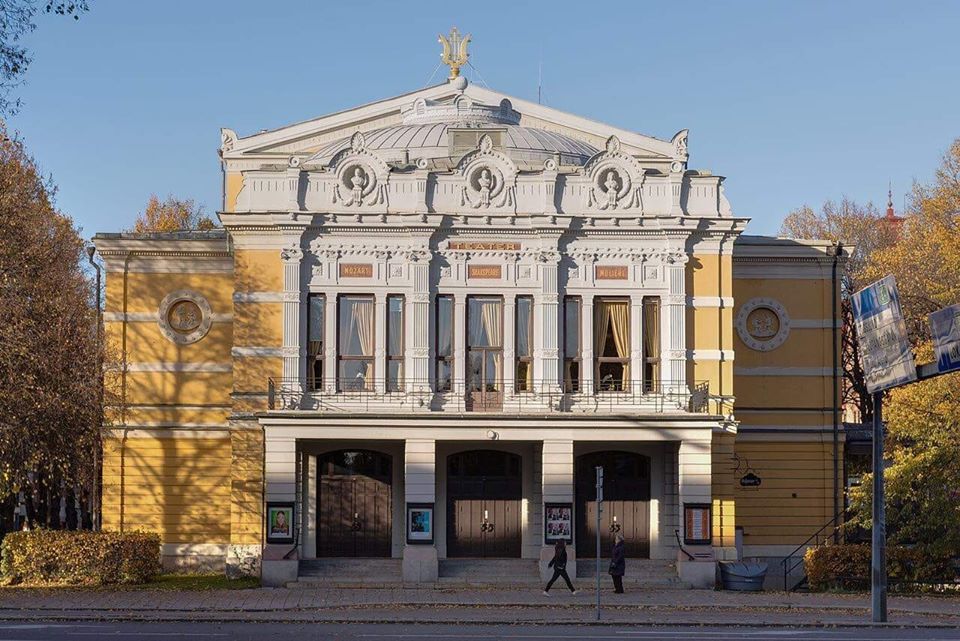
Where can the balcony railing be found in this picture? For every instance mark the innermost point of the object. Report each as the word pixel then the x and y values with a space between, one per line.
pixel 418 395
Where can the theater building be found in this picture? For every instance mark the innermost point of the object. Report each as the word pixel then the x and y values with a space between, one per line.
pixel 428 320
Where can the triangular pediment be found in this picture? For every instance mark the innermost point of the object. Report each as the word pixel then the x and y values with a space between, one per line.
pixel 306 138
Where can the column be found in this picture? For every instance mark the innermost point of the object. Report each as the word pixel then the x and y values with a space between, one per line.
pixel 379 344
pixel 586 343
pixel 330 343
pixel 459 384
pixel 546 335
pixel 280 484
pixel 673 353
pixel 695 481
pixel 420 559
pixel 636 345
pixel 308 492
pixel 417 339
pixel 509 344
pixel 294 324
pixel 557 478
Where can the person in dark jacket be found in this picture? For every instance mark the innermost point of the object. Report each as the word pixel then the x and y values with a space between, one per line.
pixel 618 564
pixel 559 565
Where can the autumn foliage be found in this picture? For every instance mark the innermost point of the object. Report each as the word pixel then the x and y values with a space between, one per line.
pixel 170 215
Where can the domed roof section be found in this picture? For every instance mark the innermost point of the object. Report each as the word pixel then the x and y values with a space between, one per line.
pixel 442 132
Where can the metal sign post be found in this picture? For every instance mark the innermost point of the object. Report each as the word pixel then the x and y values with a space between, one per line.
pixel 878 559
pixel 599 509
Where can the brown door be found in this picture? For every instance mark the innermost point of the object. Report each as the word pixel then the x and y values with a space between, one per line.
pixel 354 504
pixel 484 492
pixel 626 503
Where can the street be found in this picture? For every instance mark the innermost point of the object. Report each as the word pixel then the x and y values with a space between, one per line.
pixel 431 632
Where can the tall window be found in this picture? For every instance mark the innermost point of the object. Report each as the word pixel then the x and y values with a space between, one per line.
pixel 356 330
pixel 571 343
pixel 524 334
pixel 484 350
pixel 651 343
pixel 317 307
pixel 394 343
pixel 444 343
pixel 611 344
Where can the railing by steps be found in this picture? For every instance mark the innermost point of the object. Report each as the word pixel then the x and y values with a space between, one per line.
pixel 794 560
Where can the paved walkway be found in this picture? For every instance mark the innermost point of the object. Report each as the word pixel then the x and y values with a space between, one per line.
pixel 654 607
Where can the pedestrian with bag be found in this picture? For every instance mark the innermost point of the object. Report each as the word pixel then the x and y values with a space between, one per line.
pixel 618 563
pixel 559 565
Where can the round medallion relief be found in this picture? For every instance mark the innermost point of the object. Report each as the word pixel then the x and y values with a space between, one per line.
pixel 763 324
pixel 185 317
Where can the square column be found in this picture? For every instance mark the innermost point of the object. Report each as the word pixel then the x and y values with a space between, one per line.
pixel 380 344
pixel 459 383
pixel 694 467
pixel 545 313
pixel 558 487
pixel 586 343
pixel 280 484
pixel 673 330
pixel 417 325
pixel 509 344
pixel 420 563
pixel 294 313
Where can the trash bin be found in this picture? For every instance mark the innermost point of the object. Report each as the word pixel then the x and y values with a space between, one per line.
pixel 742 577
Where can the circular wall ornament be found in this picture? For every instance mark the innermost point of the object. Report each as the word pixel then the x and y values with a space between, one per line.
pixel 763 324
pixel 185 316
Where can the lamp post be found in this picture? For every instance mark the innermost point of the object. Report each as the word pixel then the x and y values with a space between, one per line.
pixel 95 499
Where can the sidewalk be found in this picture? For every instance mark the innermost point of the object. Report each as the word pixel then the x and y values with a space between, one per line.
pixel 649 607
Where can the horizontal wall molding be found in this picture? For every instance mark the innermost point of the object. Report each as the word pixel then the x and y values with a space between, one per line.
pixel 153 317
pixel 710 301
pixel 258 297
pixel 785 371
pixel 194 549
pixel 177 366
pixel 241 352
pixel 173 431
pixel 710 354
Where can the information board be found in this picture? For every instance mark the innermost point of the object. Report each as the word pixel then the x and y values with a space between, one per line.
pixel 945 329
pixel 882 336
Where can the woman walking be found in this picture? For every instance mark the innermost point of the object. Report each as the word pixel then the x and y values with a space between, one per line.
pixel 618 563
pixel 559 565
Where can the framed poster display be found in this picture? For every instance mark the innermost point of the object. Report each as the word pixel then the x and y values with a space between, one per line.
pixel 280 520
pixel 558 522
pixel 420 523
pixel 697 528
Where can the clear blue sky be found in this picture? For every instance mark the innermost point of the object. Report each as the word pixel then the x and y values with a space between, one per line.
pixel 795 102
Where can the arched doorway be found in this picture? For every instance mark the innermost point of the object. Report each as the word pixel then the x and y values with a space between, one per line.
pixel 484 493
pixel 626 503
pixel 355 504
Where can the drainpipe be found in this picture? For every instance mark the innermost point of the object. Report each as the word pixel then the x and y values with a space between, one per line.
pixel 837 252
pixel 95 499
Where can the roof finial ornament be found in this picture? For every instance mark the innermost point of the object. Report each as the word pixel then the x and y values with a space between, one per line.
pixel 454 53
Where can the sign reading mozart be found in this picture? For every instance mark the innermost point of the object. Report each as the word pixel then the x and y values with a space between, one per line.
pixel 612 272
pixel 484 271
pixel 356 270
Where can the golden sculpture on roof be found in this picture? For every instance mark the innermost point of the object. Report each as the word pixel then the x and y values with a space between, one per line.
pixel 454 53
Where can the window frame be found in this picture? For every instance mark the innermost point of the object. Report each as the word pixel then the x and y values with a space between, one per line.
pixel 599 359
pixel 484 350
pixel 319 359
pixel 448 359
pixel 569 385
pixel 401 357
pixel 369 382
pixel 654 364
pixel 518 359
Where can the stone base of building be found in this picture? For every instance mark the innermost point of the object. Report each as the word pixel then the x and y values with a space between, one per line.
pixel 202 557
pixel 275 570
pixel 243 561
pixel 698 574
pixel 420 564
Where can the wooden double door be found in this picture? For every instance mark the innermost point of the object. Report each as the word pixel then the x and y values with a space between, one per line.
pixel 484 495
pixel 354 504
pixel 626 503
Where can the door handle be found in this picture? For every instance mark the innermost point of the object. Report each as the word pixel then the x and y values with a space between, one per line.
pixel 356 526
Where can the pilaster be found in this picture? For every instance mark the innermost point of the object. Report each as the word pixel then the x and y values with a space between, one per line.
pixel 510 343
pixel 417 339
pixel 545 312
pixel 420 564
pixel 586 342
pixel 294 314
pixel 673 325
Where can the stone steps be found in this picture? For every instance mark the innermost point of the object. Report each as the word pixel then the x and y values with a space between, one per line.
pixel 488 572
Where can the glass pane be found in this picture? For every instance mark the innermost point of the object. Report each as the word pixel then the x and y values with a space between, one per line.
pixel 571 376
pixel 493 371
pixel 524 317
pixel 355 375
pixel 613 377
pixel 394 375
pixel 394 326
pixel 474 371
pixel 571 327
pixel 524 376
pixel 444 325
pixel 612 328
pixel 315 319
pixel 356 326
pixel 444 376
pixel 485 322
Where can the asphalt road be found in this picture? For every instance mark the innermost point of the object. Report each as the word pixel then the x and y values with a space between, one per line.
pixel 429 632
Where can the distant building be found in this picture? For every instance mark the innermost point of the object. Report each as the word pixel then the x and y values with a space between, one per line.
pixel 429 318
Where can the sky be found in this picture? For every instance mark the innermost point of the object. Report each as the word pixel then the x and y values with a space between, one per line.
pixel 794 102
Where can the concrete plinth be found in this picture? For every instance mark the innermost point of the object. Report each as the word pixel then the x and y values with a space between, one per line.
pixel 699 574
pixel 276 571
pixel 420 564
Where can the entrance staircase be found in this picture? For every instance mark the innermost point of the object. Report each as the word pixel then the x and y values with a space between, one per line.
pixel 349 573
pixel 641 573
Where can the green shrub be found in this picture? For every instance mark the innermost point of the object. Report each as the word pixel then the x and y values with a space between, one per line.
pixel 78 557
pixel 847 566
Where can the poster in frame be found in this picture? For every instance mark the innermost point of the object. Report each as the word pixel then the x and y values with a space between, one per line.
pixel 280 521
pixel 697 525
pixel 557 522
pixel 420 523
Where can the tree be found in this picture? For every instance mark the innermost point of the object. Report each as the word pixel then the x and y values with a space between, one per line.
pixel 49 348
pixel 171 215
pixel 864 232
pixel 16 21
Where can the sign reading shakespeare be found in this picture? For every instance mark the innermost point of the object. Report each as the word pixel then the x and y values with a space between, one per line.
pixel 483 271
pixel 611 272
pixel 882 336
pixel 945 328
pixel 356 270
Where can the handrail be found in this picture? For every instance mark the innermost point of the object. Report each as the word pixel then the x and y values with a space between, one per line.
pixel 813 537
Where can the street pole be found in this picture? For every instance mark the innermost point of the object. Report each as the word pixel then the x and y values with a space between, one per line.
pixel 95 499
pixel 599 509
pixel 878 562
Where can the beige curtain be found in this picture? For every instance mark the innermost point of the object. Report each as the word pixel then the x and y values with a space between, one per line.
pixel 600 325
pixel 620 322
pixel 651 341
pixel 493 327
pixel 361 312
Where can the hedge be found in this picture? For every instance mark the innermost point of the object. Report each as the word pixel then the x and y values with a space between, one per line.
pixel 79 557
pixel 847 566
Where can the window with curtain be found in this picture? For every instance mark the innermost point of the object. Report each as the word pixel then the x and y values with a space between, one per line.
pixel 611 345
pixel 484 343
pixel 571 343
pixel 524 344
pixel 444 343
pixel 651 343
pixel 356 331
pixel 316 307
pixel 394 343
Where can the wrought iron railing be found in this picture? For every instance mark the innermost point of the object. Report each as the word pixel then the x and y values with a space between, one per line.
pixel 539 396
pixel 832 529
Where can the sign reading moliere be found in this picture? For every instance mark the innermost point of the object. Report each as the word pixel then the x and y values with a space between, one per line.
pixel 356 270
pixel 484 271
pixel 611 272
